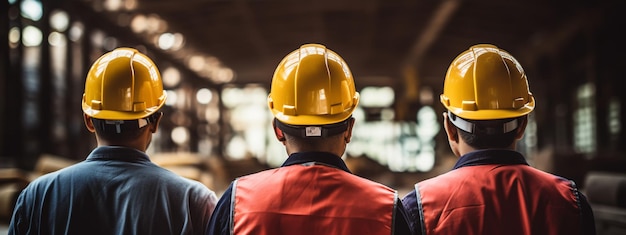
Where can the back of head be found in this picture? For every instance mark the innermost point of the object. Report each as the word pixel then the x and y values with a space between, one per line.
pixel 486 93
pixel 312 93
pixel 123 92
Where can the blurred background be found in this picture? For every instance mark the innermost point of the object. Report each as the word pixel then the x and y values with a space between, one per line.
pixel 217 58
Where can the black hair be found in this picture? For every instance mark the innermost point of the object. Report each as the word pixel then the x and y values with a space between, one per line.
pixel 489 134
pixel 122 130
pixel 314 137
pixel 313 131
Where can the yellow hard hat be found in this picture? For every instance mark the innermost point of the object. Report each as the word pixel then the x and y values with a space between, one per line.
pixel 123 84
pixel 312 86
pixel 486 82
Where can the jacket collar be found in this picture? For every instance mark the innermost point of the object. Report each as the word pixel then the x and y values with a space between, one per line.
pixel 491 157
pixel 324 158
pixel 117 153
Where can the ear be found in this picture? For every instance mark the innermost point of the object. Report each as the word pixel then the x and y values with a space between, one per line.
pixel 88 123
pixel 451 131
pixel 454 140
pixel 521 128
pixel 155 126
pixel 279 133
pixel 347 135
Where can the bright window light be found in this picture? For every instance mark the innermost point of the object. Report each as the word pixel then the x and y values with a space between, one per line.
pixel 377 97
pixel 14 37
pixel 76 32
pixel 31 9
pixel 172 97
pixel 32 36
pixel 57 39
pixel 59 20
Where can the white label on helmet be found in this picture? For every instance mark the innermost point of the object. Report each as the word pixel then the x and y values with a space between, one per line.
pixel 313 131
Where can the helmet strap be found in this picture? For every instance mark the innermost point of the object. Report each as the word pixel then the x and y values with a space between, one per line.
pixel 313 131
pixel 470 127
pixel 119 126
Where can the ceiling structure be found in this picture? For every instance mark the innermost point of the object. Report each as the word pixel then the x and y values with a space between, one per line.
pixel 405 44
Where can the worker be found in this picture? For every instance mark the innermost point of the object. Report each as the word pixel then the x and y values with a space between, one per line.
pixel 116 189
pixel 312 98
pixel 492 189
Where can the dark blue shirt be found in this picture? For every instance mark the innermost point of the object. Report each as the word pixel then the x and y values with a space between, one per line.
pixel 221 220
pixel 116 190
pixel 492 157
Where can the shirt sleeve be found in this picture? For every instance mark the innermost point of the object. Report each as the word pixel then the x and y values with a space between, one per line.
pixel 588 220
pixel 18 219
pixel 402 220
pixel 220 219
pixel 412 212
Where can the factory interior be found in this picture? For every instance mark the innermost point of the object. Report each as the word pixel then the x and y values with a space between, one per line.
pixel 217 58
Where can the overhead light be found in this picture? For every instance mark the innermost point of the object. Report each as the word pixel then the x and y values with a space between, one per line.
pixel 112 5
pixel 223 75
pixel 196 63
pixel 165 41
pixel 171 77
pixel 180 135
pixel 59 20
pixel 204 96
pixel 138 24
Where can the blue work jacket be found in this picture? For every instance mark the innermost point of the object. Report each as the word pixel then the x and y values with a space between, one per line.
pixel 115 190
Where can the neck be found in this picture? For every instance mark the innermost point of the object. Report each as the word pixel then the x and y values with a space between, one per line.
pixel 140 143
pixel 334 147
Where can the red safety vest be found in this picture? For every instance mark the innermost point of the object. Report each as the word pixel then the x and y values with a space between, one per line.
pixel 311 199
pixel 499 199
